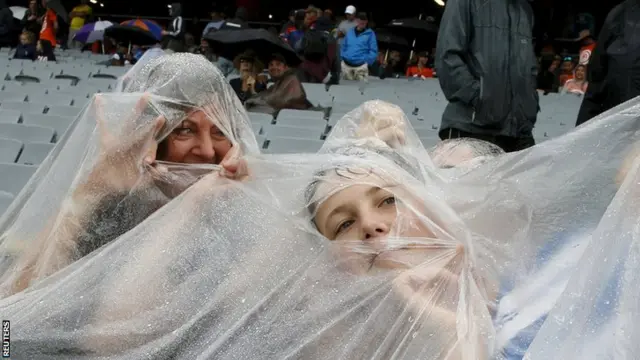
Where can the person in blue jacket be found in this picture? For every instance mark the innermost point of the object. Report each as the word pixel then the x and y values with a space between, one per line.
pixel 359 50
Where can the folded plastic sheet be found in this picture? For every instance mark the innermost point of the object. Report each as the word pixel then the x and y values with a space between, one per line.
pixel 363 251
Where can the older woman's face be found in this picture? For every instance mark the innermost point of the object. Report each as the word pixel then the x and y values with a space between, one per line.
pixel 197 141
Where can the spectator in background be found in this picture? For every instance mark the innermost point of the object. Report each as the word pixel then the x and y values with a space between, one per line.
pixel 290 25
pixel 173 37
pixel 216 23
pixel 32 20
pixel 26 50
pixel 190 43
pixel 294 35
pixel 566 70
pixel 588 44
pixel 7 36
pixel 80 15
pixel 420 69
pixel 388 65
pixel 249 83
pixel 614 66
pixel 321 63
pixel 285 93
pixel 488 73
pixel 49 25
pixel 359 50
pixel 577 85
pixel 44 51
pixel 206 51
pixel 549 78
pixel 310 18
pixel 347 24
pixel 239 21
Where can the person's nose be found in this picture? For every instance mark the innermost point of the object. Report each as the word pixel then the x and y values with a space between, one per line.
pixel 375 227
pixel 204 149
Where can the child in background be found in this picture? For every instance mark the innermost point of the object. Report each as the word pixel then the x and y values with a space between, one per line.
pixel 26 49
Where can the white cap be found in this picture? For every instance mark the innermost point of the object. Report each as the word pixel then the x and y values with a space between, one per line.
pixel 350 10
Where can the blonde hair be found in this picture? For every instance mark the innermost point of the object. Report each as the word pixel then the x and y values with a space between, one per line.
pixel 31 38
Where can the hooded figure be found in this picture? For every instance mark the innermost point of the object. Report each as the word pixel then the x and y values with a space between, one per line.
pixel 174 36
pixel 6 24
pixel 239 21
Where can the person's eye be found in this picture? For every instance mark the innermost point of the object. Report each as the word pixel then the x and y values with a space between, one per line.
pixel 183 131
pixel 391 200
pixel 344 226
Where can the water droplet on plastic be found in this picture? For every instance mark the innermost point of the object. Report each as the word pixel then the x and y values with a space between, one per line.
pixel 243 300
pixel 414 335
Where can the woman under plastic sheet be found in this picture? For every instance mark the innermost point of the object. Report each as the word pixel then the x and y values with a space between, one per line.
pixel 175 120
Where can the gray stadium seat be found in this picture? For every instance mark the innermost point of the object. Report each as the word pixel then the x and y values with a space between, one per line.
pixel 318 124
pixel 67 111
pixel 300 114
pixel 257 128
pixel 9 150
pixel 5 201
pixel 292 132
pixel 51 99
pixel 34 153
pixel 260 118
pixel 23 107
pixel 291 145
pixel 13 177
pixel 10 116
pixel 11 96
pixel 59 123
pixel 27 133
pixel 261 141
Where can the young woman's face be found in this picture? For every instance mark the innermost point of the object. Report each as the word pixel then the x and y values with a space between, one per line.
pixel 196 141
pixel 246 65
pixel 580 73
pixel 367 209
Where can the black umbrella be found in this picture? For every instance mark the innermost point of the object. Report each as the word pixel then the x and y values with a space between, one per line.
pixel 391 41
pixel 413 25
pixel 131 34
pixel 231 43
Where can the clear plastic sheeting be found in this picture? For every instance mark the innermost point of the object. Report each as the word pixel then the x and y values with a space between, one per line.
pixel 127 155
pixel 597 315
pixel 362 251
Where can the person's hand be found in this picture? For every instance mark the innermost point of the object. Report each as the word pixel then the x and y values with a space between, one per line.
pixel 234 167
pixel 164 32
pixel 32 17
pixel 384 121
pixel 124 160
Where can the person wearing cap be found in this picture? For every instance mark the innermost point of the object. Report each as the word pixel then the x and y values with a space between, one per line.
pixel 347 24
pixel 359 50
pixel 588 44
pixel 277 66
pixel 311 15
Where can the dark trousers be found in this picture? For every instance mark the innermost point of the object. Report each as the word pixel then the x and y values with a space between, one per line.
pixel 507 143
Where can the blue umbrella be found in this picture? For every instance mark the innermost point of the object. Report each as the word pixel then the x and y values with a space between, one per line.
pixel 92 32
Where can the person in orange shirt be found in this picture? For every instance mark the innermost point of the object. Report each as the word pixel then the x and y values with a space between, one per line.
pixel 588 44
pixel 420 70
pixel 49 25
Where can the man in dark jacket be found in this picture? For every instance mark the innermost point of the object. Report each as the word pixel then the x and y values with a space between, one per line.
pixel 487 70
pixel 614 66
pixel 173 37
pixel 6 25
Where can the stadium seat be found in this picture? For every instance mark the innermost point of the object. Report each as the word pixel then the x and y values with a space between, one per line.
pixel 66 111
pixel 13 177
pixel 5 201
pixel 9 150
pixel 272 131
pixel 281 145
pixel 59 123
pixel 34 153
pixel 23 107
pixel 27 133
